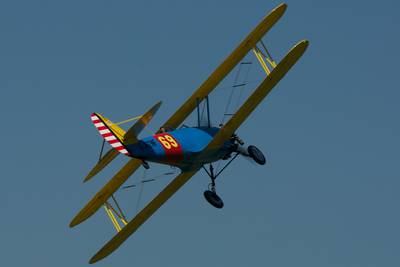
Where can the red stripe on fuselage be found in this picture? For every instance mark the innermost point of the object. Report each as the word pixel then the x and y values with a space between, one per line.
pixel 173 150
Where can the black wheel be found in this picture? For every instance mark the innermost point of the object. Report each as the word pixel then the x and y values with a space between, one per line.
pixel 213 199
pixel 256 155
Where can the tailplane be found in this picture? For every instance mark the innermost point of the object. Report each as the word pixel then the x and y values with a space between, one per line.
pixel 131 135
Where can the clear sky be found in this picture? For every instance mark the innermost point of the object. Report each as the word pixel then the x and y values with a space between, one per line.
pixel 328 195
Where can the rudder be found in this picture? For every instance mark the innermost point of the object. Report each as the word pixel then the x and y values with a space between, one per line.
pixel 111 132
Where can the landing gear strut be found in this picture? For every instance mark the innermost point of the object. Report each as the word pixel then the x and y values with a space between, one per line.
pixel 211 194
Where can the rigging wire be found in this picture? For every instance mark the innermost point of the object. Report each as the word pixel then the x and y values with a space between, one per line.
pixel 231 94
pixel 143 181
pixel 238 83
pixel 151 179
pixel 128 120
pixel 101 150
pixel 247 83
pixel 243 87
pixel 141 190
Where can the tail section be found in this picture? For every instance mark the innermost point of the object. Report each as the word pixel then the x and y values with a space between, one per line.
pixel 117 137
pixel 111 132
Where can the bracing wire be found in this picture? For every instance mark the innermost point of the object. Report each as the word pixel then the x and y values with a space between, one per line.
pixel 243 87
pixel 128 120
pixel 238 83
pixel 231 94
pixel 141 190
pixel 143 181
pixel 147 180
pixel 101 150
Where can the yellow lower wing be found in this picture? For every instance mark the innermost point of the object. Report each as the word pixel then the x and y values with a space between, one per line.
pixel 224 134
pixel 105 193
pixel 258 95
pixel 143 215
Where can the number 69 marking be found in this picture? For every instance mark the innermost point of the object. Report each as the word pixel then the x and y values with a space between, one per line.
pixel 167 141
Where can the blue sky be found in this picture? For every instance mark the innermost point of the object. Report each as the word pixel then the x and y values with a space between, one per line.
pixel 328 195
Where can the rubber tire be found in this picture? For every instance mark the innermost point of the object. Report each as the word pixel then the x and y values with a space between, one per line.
pixel 213 199
pixel 256 155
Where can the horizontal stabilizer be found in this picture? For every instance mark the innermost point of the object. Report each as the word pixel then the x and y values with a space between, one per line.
pixel 131 135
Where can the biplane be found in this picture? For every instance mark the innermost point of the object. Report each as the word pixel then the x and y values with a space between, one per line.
pixel 188 149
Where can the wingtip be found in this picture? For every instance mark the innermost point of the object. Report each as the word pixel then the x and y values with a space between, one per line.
pixel 96 258
pixel 278 11
pixel 72 224
pixel 304 43
pixel 76 220
pixel 88 177
pixel 282 5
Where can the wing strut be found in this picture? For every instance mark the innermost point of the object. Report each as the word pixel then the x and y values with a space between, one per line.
pixel 143 215
pixel 115 214
pixel 258 95
pixel 105 193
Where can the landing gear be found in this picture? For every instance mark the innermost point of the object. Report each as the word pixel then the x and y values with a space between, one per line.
pixel 213 199
pixel 256 155
pixel 236 148
pixel 211 195
pixel 145 164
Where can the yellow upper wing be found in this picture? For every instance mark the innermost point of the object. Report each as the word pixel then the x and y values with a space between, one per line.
pixel 143 215
pixel 226 66
pixel 213 80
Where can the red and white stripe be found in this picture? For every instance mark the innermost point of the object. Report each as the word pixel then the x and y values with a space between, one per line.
pixel 108 134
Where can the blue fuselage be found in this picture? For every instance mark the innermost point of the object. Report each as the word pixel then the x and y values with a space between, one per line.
pixel 179 147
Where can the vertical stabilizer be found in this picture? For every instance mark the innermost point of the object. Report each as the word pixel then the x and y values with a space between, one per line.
pixel 111 132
